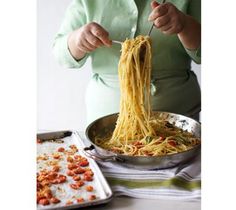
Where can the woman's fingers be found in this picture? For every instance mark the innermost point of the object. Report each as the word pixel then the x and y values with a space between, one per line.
pixel 83 48
pixel 154 4
pixel 101 34
pixel 84 45
pixel 93 40
pixel 165 28
pixel 92 36
pixel 88 46
pixel 169 31
pixel 158 12
pixel 167 18
pixel 162 21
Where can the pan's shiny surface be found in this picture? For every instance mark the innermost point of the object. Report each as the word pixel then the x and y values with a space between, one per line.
pixel 105 124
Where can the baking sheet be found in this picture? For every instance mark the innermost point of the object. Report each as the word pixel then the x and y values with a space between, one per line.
pixel 63 191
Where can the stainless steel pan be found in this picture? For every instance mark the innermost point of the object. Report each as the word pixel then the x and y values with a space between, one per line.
pixel 105 124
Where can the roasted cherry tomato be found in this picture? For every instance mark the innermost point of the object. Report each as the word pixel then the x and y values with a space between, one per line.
pixel 69 202
pixel 61 149
pixel 46 182
pixel 61 178
pixel 73 147
pixel 51 175
pixel 92 197
pixel 70 173
pixel 80 200
pixel 39 185
pixel 70 159
pixel 79 170
pixel 56 168
pixel 71 166
pixel 74 186
pixel 48 194
pixel 172 143
pixel 87 178
pixel 84 163
pixel 56 156
pixel 89 188
pixel 38 199
pixel 39 141
pixel 55 181
pixel 55 200
pixel 88 173
pixel 76 178
pixel 77 157
pixel 44 201
pixel 80 183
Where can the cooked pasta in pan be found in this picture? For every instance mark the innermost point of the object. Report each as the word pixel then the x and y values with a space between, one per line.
pixel 137 131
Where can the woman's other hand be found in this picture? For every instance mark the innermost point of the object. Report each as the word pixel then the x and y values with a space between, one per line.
pixel 86 39
pixel 167 18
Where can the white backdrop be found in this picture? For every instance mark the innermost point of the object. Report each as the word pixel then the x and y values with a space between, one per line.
pixel 60 91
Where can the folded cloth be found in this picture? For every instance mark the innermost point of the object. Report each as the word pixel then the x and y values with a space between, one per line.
pixel 182 182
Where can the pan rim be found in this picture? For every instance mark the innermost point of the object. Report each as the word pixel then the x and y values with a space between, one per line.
pixel 195 148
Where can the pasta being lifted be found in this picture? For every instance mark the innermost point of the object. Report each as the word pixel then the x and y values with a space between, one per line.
pixel 137 131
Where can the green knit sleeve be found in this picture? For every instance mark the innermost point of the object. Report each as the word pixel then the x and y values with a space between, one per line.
pixel 194 10
pixel 74 18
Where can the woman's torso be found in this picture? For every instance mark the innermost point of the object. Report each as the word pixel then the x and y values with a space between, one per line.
pixel 174 86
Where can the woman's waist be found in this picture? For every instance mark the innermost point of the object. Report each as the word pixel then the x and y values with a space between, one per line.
pixel 160 74
pixel 155 74
pixel 108 80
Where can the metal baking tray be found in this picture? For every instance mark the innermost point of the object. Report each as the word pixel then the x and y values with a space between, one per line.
pixel 50 142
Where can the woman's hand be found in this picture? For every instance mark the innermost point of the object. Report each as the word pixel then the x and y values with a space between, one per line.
pixel 167 18
pixel 86 39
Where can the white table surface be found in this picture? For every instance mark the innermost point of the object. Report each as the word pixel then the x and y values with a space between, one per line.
pixel 126 203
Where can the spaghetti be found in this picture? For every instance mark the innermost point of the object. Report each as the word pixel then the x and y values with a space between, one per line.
pixel 137 131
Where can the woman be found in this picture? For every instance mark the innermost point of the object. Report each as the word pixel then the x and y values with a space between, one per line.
pixel 90 25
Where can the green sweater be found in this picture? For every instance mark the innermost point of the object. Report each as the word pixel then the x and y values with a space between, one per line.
pixel 174 86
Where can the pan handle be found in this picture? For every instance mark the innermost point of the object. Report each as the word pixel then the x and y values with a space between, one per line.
pixel 97 156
